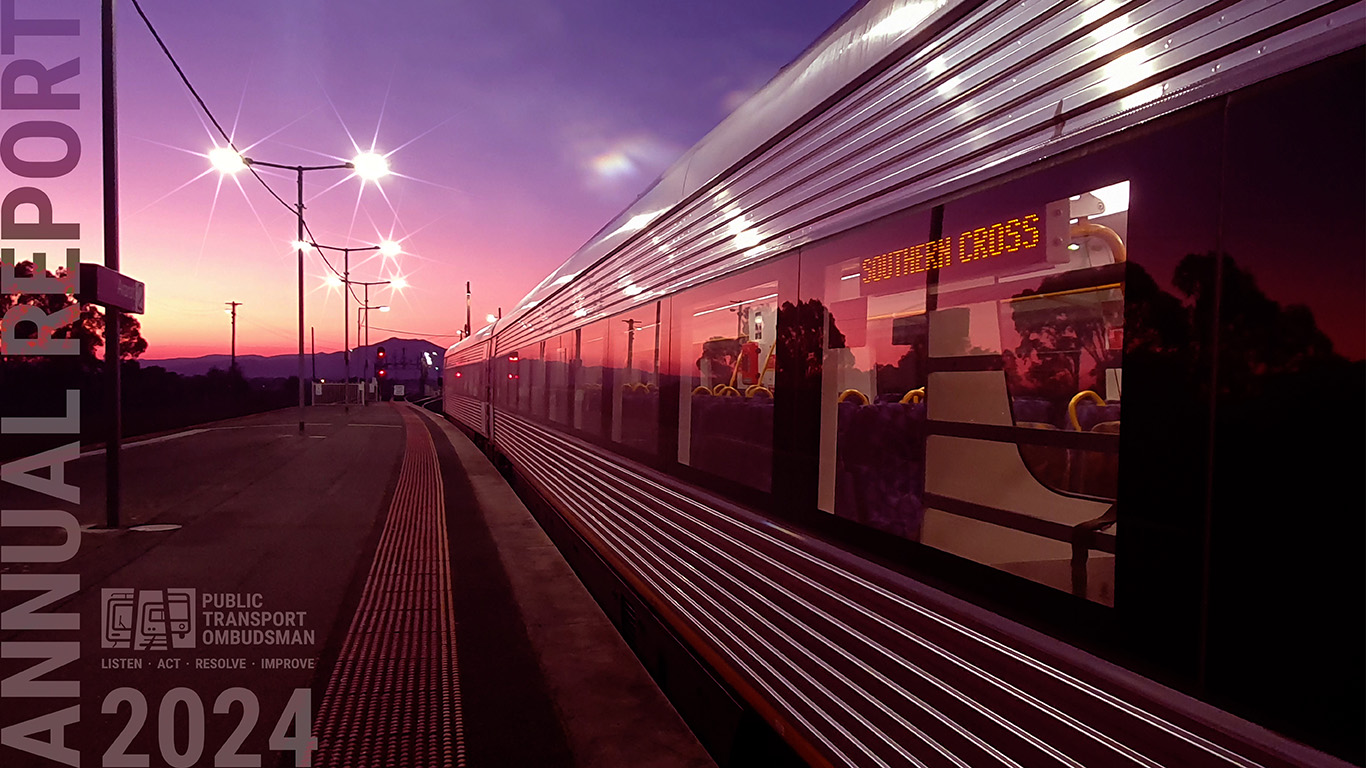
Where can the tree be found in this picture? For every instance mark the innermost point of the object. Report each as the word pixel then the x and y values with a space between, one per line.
pixel 1054 336
pixel 88 326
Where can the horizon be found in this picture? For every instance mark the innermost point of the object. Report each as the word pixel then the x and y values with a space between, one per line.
pixel 290 354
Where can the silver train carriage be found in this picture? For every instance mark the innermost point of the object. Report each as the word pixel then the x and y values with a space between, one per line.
pixel 839 397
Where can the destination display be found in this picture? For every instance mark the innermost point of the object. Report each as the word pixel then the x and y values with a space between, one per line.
pixel 990 241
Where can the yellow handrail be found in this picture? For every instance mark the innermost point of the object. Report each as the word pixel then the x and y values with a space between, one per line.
pixel 755 389
pixel 914 396
pixel 700 390
pixel 1077 398
pixel 1111 238
pixel 848 393
pixel 727 391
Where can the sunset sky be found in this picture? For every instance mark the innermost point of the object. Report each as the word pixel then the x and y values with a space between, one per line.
pixel 515 130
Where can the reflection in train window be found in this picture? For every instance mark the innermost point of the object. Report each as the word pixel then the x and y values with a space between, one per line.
pixel 726 334
pixel 871 288
pixel 633 347
pixel 528 366
pixel 471 379
pixel 533 379
pixel 507 381
pixel 591 345
pixel 559 354
pixel 1026 329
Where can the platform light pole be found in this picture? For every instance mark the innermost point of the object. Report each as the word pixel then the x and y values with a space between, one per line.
pixel 366 309
pixel 398 283
pixel 369 166
pixel 387 248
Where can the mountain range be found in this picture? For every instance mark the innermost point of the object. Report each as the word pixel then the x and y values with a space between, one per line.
pixel 403 355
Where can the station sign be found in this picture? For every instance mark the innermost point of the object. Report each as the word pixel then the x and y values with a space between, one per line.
pixel 108 288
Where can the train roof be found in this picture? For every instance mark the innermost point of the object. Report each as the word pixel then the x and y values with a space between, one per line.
pixel 868 33
pixel 907 101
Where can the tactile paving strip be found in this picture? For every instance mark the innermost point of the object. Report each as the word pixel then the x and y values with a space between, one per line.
pixel 394 695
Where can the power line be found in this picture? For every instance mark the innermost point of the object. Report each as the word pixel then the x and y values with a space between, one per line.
pixel 417 333
pixel 186 80
pixel 207 112
pixel 181 72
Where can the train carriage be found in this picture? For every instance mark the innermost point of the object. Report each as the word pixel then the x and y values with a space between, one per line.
pixel 986 390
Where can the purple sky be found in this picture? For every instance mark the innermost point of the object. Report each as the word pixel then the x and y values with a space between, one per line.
pixel 517 129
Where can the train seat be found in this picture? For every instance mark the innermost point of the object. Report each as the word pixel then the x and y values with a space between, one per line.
pixel 880 454
pixel 1090 416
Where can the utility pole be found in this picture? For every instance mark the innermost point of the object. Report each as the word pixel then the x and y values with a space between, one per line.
pixel 313 351
pixel 467 309
pixel 232 366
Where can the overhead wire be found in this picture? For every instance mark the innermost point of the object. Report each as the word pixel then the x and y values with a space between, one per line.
pixel 226 137
pixel 296 210
pixel 186 80
pixel 417 333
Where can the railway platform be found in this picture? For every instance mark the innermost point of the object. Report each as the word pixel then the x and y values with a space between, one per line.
pixel 370 592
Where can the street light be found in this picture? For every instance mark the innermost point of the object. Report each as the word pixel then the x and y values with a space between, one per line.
pixel 384 308
pixel 369 166
pixel 366 309
pixel 226 160
pixel 388 248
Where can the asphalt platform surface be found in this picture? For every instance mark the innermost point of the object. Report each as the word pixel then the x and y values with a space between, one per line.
pixel 263 540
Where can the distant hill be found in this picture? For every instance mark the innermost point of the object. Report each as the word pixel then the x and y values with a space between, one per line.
pixel 404 356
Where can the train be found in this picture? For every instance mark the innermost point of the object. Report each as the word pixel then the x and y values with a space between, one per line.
pixel 829 419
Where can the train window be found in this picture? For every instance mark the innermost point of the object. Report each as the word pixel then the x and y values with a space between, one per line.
pixel 473 378
pixel 499 380
pixel 559 356
pixel 590 343
pixel 531 389
pixel 466 380
pixel 633 349
pixel 1026 322
pixel 1286 585
pixel 871 292
pixel 528 360
pixel 725 338
pixel 516 400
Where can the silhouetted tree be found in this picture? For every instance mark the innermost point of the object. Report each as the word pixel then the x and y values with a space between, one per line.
pixel 88 326
pixel 800 334
pixel 1258 338
pixel 1053 339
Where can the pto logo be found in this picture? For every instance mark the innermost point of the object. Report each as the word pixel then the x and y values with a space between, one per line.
pixel 147 619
